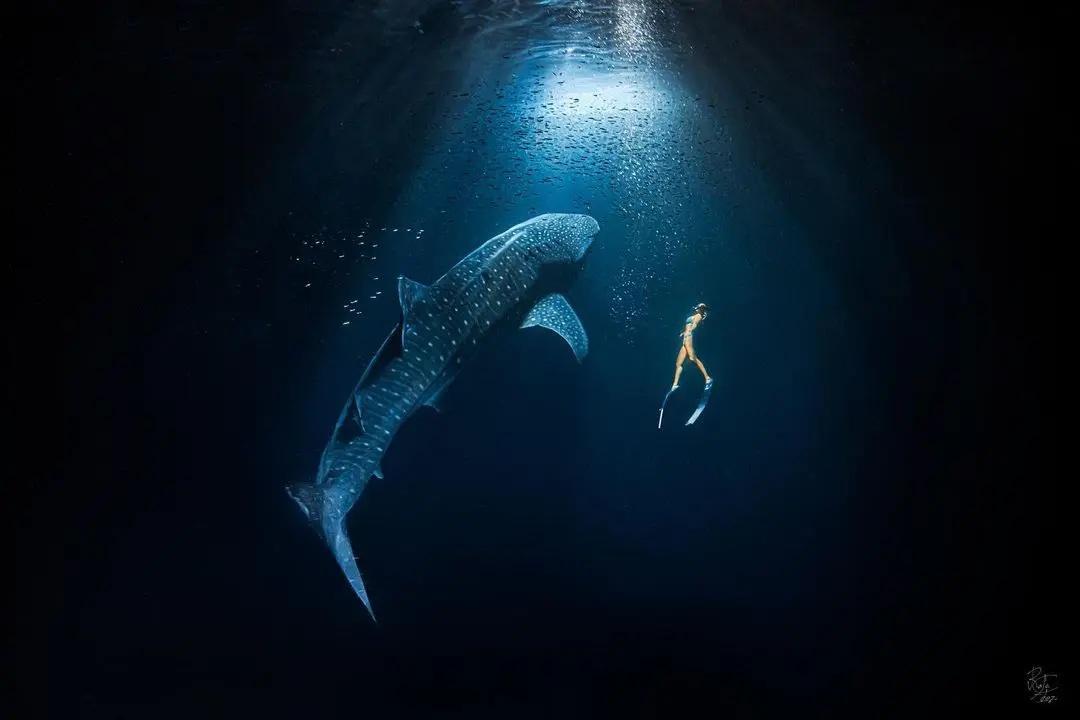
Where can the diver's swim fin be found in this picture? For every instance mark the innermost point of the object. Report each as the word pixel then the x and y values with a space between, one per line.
pixel 701 403
pixel 664 405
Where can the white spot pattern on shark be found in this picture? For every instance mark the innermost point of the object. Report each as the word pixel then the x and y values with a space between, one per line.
pixel 509 278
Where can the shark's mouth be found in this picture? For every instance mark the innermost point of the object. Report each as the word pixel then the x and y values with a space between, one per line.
pixel 585 228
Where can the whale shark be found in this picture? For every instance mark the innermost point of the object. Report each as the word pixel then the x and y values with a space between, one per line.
pixel 513 280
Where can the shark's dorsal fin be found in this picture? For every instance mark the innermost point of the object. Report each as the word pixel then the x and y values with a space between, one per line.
pixel 390 349
pixel 350 422
pixel 554 313
pixel 358 403
pixel 409 291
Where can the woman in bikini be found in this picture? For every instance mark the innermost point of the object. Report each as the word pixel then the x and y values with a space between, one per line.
pixel 686 350
pixel 701 310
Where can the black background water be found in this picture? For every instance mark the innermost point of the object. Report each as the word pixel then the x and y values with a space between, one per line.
pixel 861 519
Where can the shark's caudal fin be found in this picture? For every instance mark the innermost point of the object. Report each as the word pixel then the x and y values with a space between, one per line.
pixel 324 510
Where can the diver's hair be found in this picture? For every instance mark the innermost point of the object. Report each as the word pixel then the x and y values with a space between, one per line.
pixel 702 308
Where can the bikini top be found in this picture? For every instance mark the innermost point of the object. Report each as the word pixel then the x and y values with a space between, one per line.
pixel 689 320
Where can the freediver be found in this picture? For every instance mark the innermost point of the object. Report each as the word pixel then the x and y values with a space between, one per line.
pixel 686 350
pixel 700 312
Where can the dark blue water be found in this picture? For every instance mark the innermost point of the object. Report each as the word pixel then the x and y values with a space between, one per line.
pixel 823 536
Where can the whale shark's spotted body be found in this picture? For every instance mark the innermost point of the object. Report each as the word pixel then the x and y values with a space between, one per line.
pixel 507 281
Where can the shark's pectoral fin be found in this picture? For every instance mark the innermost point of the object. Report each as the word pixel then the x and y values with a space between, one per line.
pixel 554 313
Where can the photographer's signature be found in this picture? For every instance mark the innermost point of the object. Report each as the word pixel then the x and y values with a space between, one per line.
pixel 1042 685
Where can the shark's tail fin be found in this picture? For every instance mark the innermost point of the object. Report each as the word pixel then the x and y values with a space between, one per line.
pixel 326 509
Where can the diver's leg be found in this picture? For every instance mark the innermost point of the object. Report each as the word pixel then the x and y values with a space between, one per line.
pixel 701 367
pixel 674 385
pixel 678 366
pixel 689 348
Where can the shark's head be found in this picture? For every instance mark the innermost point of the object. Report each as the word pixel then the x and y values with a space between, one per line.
pixel 558 238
